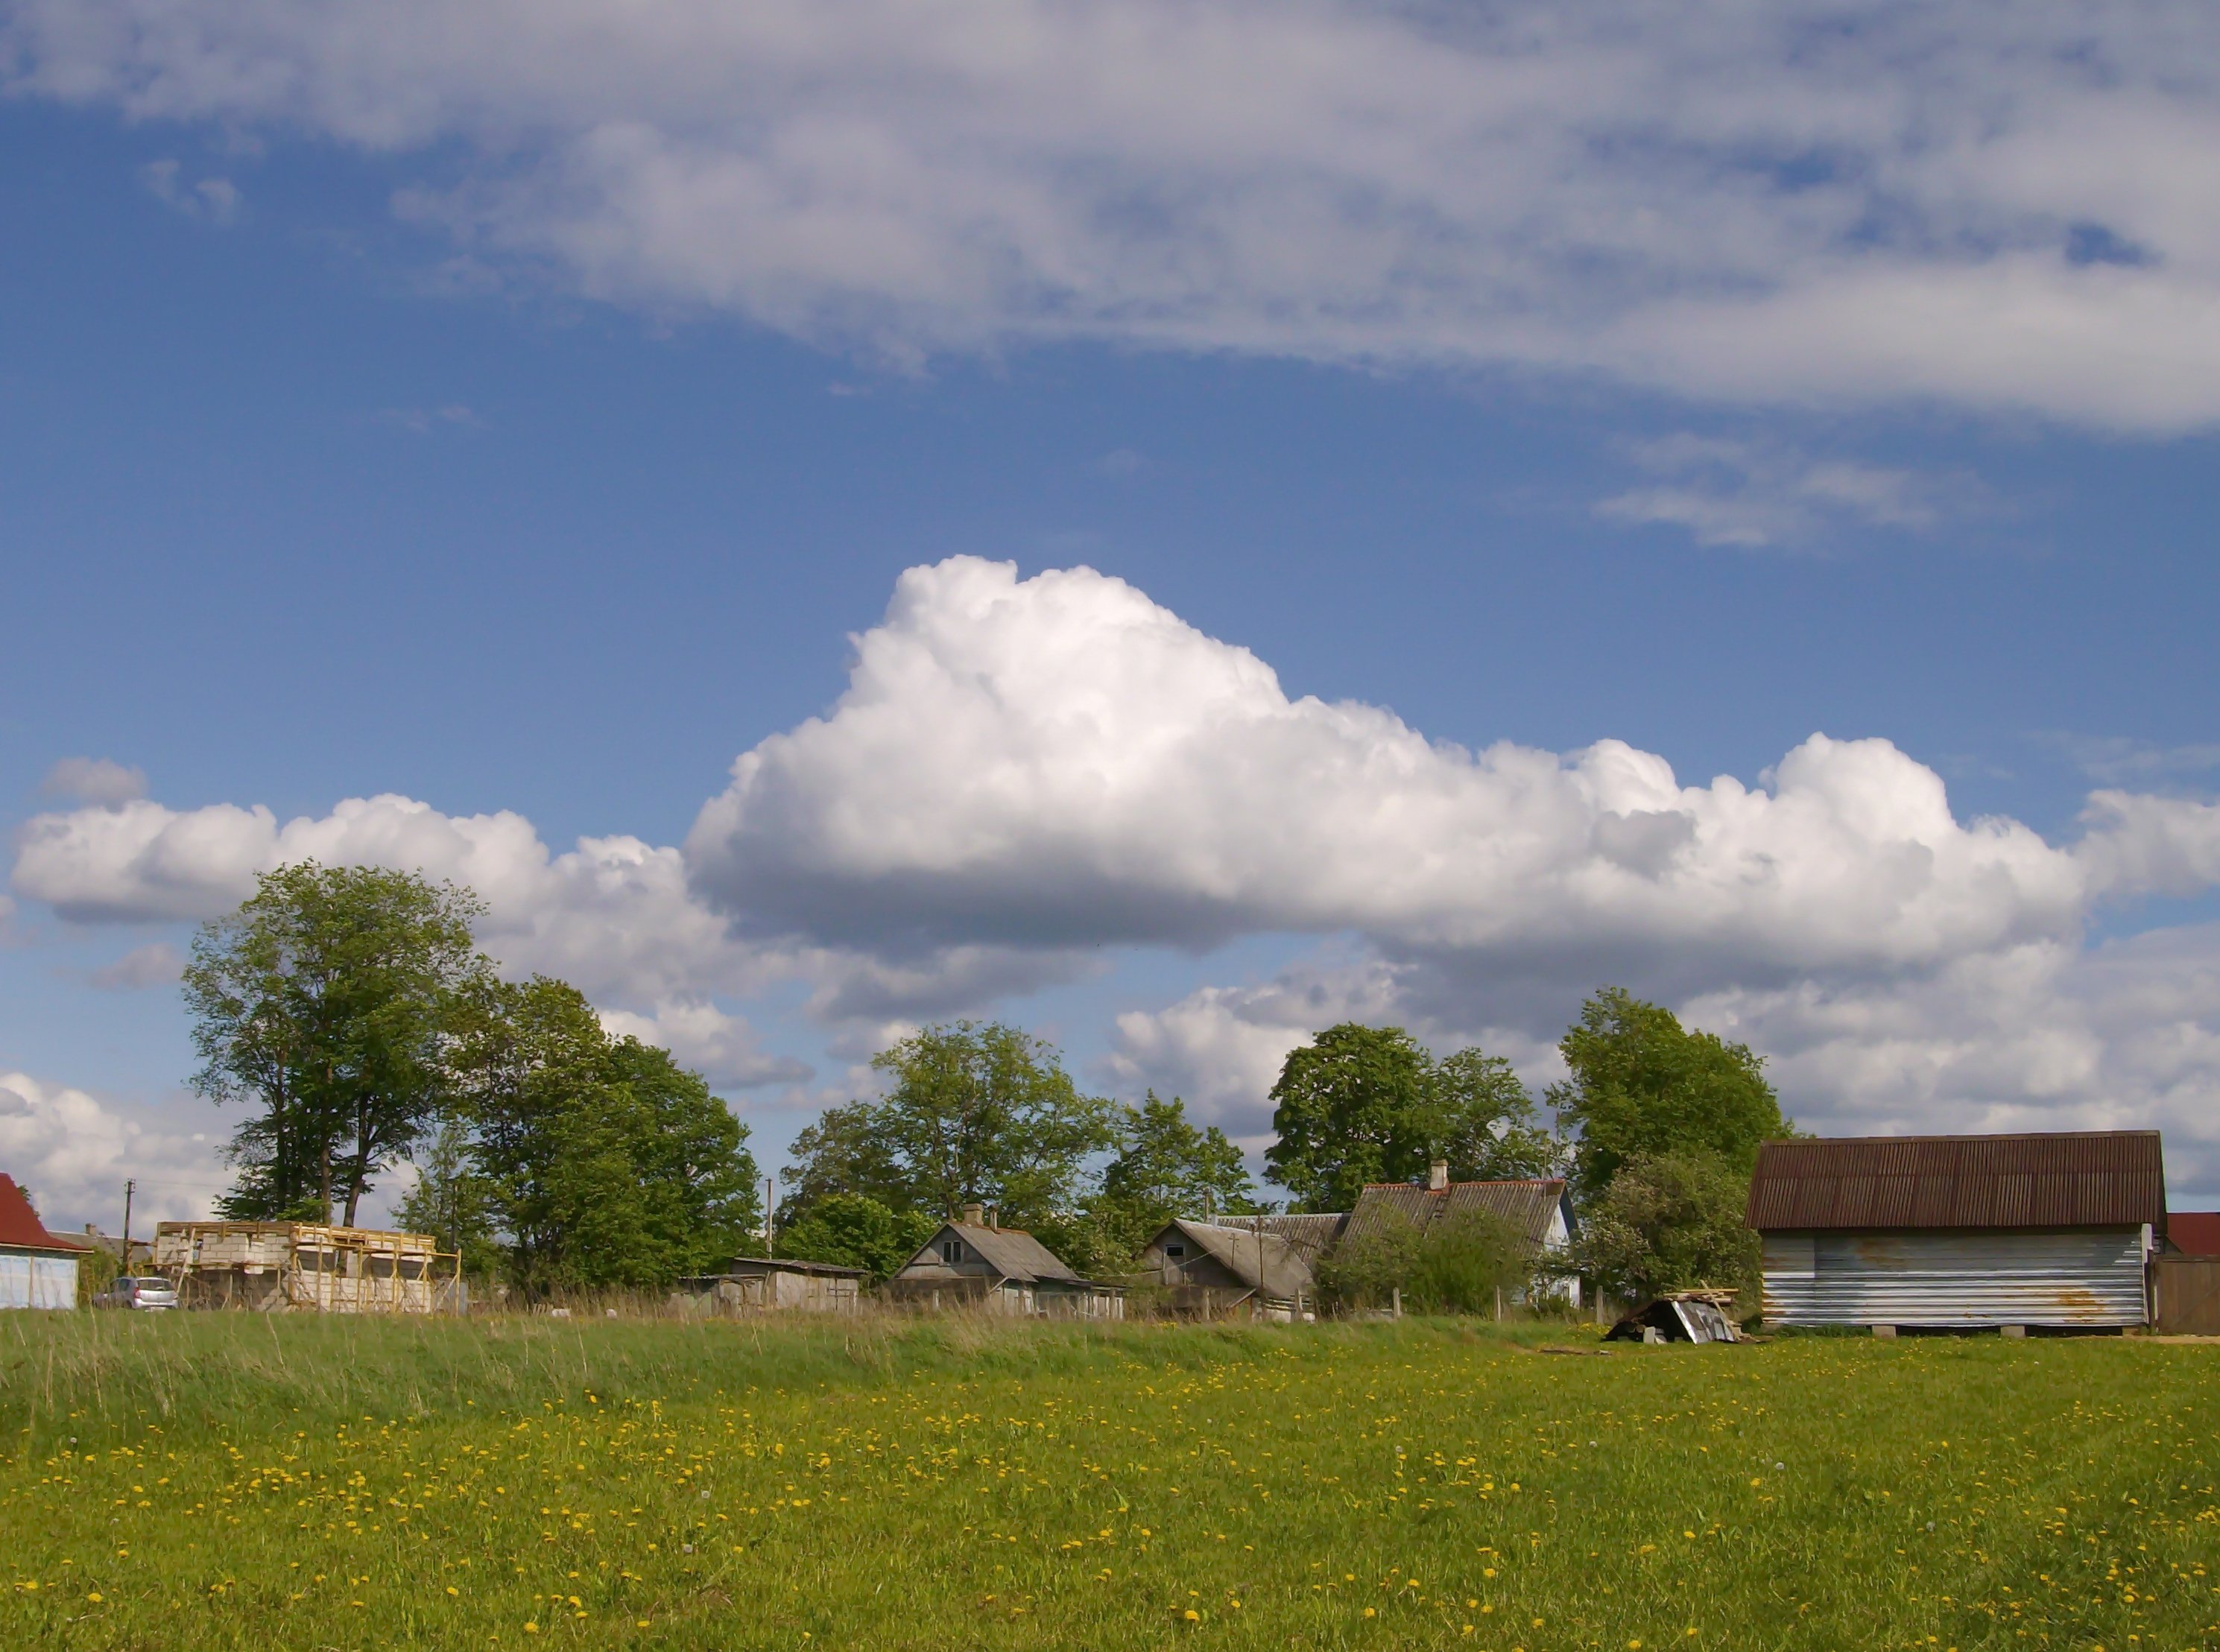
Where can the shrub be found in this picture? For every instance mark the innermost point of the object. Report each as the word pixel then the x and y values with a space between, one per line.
pixel 1671 1222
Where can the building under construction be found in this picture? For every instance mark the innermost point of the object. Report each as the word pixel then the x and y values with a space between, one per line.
pixel 282 1266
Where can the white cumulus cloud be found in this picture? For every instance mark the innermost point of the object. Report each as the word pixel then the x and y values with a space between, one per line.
pixel 2006 206
pixel 1058 761
pixel 73 1153
pixel 723 1048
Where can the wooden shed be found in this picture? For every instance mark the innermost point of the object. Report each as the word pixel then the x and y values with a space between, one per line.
pixel 772 1284
pixel 2017 1232
pixel 1209 1270
pixel 38 1269
pixel 308 1265
pixel 1002 1269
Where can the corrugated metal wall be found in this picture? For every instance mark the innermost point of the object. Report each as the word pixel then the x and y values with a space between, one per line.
pixel 28 1281
pixel 2079 1278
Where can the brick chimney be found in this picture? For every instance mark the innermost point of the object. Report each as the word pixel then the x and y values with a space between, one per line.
pixel 974 1216
pixel 1437 1176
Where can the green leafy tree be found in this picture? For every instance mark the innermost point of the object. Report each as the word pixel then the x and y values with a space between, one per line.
pixel 1643 1085
pixel 845 1153
pixel 1351 1107
pixel 856 1231
pixel 1672 1222
pixel 327 1004
pixel 607 1163
pixel 1363 1104
pixel 1166 1167
pixel 1485 1122
pixel 1455 1265
pixel 452 1202
pixel 973 1113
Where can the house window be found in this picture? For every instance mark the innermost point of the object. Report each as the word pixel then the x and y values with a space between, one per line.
pixel 951 1251
pixel 1176 1251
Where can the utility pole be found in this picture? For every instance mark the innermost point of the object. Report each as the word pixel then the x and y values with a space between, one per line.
pixel 771 1203
pixel 130 1187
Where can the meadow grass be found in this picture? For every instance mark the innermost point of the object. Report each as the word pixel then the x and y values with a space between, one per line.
pixel 212 1480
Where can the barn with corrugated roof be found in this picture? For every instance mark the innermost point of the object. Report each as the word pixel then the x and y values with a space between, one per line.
pixel 2052 1231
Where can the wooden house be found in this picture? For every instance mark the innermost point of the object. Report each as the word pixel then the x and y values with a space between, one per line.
pixel 1001 1269
pixel 1210 1270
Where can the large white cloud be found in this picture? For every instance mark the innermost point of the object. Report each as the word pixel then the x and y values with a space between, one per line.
pixel 612 913
pixel 2005 205
pixel 1058 761
pixel 74 1152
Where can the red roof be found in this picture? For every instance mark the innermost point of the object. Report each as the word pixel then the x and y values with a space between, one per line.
pixel 2111 1178
pixel 2195 1231
pixel 20 1226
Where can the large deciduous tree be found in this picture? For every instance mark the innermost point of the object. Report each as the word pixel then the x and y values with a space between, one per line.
pixel 1643 1085
pixel 328 1003
pixel 606 1163
pixel 1362 1104
pixel 1350 1107
pixel 973 1113
pixel 1167 1167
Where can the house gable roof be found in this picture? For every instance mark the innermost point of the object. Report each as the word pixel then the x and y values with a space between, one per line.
pixel 1263 1262
pixel 1525 1206
pixel 20 1228
pixel 2108 1178
pixel 1011 1252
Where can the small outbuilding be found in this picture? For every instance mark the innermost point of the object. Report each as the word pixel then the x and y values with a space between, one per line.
pixel 38 1269
pixel 1002 1269
pixel 1208 1271
pixel 2016 1232
pixel 1537 1212
pixel 772 1284
pixel 277 1266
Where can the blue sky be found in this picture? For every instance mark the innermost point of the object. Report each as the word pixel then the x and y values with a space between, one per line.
pixel 391 420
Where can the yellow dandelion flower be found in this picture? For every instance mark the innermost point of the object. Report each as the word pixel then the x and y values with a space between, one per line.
pixel 1369 1612
pixel 94 1597
pixel 1192 1615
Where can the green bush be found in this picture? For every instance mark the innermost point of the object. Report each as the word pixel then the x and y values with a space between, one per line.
pixel 1457 1265
pixel 1671 1222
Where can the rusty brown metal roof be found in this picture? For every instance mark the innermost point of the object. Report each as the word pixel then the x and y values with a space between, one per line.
pixel 2108 1178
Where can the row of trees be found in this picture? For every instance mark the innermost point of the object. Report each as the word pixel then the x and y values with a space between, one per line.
pixel 985 1113
pixel 350 1009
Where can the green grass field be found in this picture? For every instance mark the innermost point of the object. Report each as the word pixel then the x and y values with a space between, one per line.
pixel 214 1481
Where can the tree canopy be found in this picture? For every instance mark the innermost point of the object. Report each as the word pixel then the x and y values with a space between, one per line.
pixel 1362 1104
pixel 1166 1167
pixel 329 1003
pixel 604 1162
pixel 973 1113
pixel 1643 1084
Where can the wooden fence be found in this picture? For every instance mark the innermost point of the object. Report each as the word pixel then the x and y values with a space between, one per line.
pixel 2186 1296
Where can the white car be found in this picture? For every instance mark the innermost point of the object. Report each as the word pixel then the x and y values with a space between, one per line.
pixel 149 1293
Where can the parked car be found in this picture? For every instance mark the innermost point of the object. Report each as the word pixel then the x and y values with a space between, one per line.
pixel 146 1292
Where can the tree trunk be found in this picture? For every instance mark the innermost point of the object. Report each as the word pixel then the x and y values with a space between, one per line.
pixel 327 1169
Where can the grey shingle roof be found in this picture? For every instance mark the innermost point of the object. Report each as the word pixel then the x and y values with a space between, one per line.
pixel 1309 1235
pixel 1011 1252
pixel 1526 1206
pixel 1263 1262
